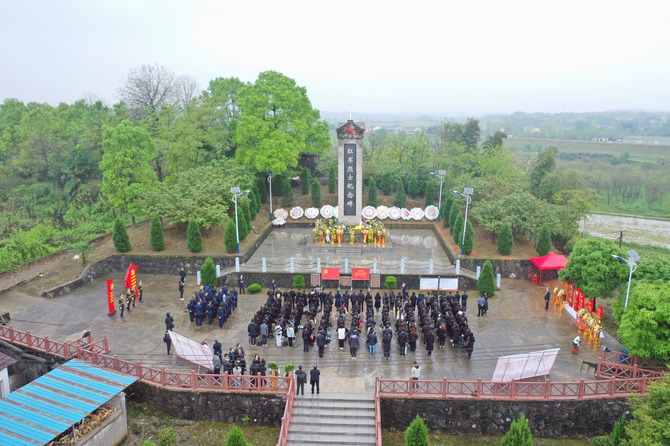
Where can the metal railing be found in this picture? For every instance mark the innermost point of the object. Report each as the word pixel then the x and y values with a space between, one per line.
pixel 288 412
pixel 64 350
pixel 378 415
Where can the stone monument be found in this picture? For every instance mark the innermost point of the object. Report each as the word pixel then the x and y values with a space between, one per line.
pixel 350 171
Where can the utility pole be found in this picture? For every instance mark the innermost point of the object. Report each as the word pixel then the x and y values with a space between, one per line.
pixel 620 239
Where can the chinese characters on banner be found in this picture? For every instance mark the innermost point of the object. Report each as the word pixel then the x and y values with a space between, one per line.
pixel 110 297
pixel 350 179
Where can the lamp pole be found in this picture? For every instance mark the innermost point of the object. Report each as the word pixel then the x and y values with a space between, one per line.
pixel 466 193
pixel 270 181
pixel 236 193
pixel 441 174
pixel 632 258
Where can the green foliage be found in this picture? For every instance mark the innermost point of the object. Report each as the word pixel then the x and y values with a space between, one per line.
pixel 545 163
pixel 332 180
pixel 236 437
pixel 254 288
pixel 287 199
pixel 469 244
pixel 125 166
pixel 243 221
pixel 167 437
pixel 230 237
pixel 208 273
pixel 453 213
pixel 573 205
pixel 466 135
pixel 593 269
pixel 505 239
pixel 82 249
pixel 651 416
pixel 316 193
pixel 245 205
pixel 298 281
pixel 372 193
pixel 277 124
pixel 413 187
pixel 193 236
pixel 156 239
pixel 416 433
pixel 645 325
pixel 431 193
pixel 386 185
pixel 444 211
pixel 304 180
pixel 262 188
pixel 120 236
pixel 391 282
pixel 148 443
pixel 543 244
pixel 519 434
pixel 457 229
pixel 653 268
pixel 486 282
pixel 400 197
pixel 618 437
pixel 253 205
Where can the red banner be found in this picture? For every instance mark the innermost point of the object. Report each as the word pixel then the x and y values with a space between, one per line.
pixel 599 313
pixel 360 273
pixel 110 296
pixel 330 273
pixel 131 276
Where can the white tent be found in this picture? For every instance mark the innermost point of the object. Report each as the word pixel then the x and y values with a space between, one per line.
pixel 192 351
pixel 524 365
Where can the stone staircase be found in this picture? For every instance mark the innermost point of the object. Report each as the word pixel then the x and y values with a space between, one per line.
pixel 335 419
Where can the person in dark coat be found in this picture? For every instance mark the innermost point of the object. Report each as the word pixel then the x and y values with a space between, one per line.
pixel 387 337
pixel 305 339
pixel 353 343
pixel 429 339
pixel 300 380
pixel 372 341
pixel 199 311
pixel 464 301
pixel 182 275
pixel 252 329
pixel 169 321
pixel 402 340
pixel 264 330
pixel 181 290
pixel 217 347
pixel 168 340
pixel 314 375
pixel 470 345
pixel 321 343
pixel 413 337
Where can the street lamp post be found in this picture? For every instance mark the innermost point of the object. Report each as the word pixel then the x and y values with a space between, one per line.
pixel 466 193
pixel 632 258
pixel 236 193
pixel 441 174
pixel 270 181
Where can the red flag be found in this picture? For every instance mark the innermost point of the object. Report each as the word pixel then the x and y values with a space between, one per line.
pixel 360 273
pixel 110 297
pixel 131 279
pixel 128 284
pixel 330 273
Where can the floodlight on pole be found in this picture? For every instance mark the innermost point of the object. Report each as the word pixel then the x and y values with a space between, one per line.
pixel 270 174
pixel 632 258
pixel 441 174
pixel 236 193
pixel 466 193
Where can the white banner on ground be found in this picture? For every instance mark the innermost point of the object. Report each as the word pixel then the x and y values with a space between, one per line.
pixel 192 351
pixel 524 365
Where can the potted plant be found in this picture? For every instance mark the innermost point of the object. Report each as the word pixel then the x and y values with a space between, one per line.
pixel 288 368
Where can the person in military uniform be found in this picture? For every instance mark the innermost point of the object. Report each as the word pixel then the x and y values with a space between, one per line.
pixel 140 288
pixel 129 298
pixel 121 305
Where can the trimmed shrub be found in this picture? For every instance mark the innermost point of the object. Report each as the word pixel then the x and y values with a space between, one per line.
pixel 193 236
pixel 444 212
pixel 453 212
pixel 457 229
pixel 208 273
pixel 413 187
pixel 505 239
pixel 120 236
pixel 156 239
pixel 287 200
pixel 332 180
pixel 243 220
pixel 469 244
pixel 167 437
pixel 316 193
pixel 254 288
pixel 519 434
pixel 417 433
pixel 236 437
pixel 304 181
pixel 372 193
pixel 543 244
pixel 230 237
pixel 299 281
pixel 386 185
pixel 431 193
pixel 486 282
pixel 262 189
pixel 391 282
pixel 253 205
pixel 400 197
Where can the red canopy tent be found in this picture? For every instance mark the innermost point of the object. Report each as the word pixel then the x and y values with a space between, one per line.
pixel 550 261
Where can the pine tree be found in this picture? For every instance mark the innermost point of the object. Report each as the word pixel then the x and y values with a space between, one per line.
pixel 453 212
pixel 316 193
pixel 413 187
pixel 387 185
pixel 332 180
pixel 417 433
pixel 246 207
pixel 505 239
pixel 400 197
pixel 457 229
pixel 486 282
pixel 208 273
pixel 444 212
pixel 257 195
pixel 193 237
pixel 230 237
pixel 469 244
pixel 120 237
pixel 543 244
pixel 431 193
pixel 287 199
pixel 372 193
pixel 253 205
pixel 243 220
pixel 304 181
pixel 236 437
pixel 156 239
pixel 519 434
pixel 262 188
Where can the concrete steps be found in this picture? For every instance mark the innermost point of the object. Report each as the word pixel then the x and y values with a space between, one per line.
pixel 335 419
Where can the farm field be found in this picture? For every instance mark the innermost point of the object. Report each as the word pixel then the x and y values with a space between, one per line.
pixel 638 151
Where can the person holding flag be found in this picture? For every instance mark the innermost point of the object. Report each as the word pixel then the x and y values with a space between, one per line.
pixel 121 305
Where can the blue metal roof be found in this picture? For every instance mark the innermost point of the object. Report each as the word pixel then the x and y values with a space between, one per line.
pixel 40 411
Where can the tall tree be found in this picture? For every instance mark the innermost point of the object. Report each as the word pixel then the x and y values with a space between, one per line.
pixel 120 236
pixel 332 180
pixel 457 229
pixel 387 185
pixel 156 239
pixel 126 172
pixel 316 193
pixel 444 211
pixel 469 244
pixel 230 237
pixel 651 415
pixel 372 193
pixel 147 89
pixel 505 240
pixel 208 273
pixel 413 187
pixel 545 164
pixel 278 123
pixel 495 140
pixel 543 244
pixel 193 236
pixel 431 193
pixel 400 197
pixel 304 181
pixel 243 211
pixel 486 282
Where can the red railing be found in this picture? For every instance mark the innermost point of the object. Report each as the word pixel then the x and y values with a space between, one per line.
pixel 64 350
pixel 619 365
pixel 378 415
pixel 288 411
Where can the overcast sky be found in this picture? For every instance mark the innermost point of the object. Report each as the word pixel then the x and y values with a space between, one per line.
pixel 450 57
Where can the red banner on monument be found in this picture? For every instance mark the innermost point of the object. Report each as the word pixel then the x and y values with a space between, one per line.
pixel 330 273
pixel 360 273
pixel 110 297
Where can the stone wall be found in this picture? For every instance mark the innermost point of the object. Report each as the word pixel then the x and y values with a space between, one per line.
pixel 261 408
pixel 547 419
pixel 516 269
